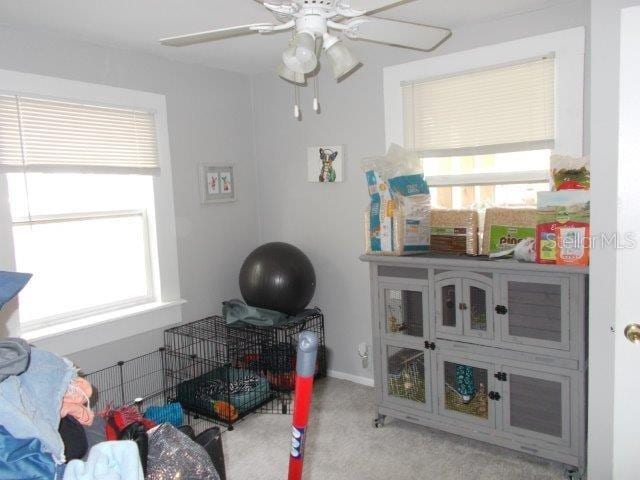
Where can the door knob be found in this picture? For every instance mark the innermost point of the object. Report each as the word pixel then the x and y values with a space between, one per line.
pixel 632 332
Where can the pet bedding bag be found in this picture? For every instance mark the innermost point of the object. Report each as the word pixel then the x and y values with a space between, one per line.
pixel 397 220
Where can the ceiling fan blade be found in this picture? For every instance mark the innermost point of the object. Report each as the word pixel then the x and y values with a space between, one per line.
pixel 398 34
pixel 212 35
pixel 373 6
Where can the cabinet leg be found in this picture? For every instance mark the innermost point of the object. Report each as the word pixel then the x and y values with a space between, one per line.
pixel 573 473
pixel 378 422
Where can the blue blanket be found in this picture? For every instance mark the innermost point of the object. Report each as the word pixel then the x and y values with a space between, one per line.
pixel 30 403
pixel 10 285
pixel 23 458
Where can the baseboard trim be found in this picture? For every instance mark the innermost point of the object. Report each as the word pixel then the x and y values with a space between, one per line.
pixel 351 378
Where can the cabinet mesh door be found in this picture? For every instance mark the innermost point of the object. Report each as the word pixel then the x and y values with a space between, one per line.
pixel 448 306
pixel 478 308
pixel 403 311
pixel 535 311
pixel 535 405
pixel 466 390
pixel 405 374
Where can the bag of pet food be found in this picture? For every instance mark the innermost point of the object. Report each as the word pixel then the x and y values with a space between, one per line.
pixel 505 227
pixel 570 173
pixel 379 216
pixel 562 233
pixel 397 218
pixel 411 217
pixel 454 231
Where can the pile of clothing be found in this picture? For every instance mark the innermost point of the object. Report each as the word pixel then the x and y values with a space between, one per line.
pixel 48 430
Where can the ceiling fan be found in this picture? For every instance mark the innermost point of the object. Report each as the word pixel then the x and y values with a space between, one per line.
pixel 314 23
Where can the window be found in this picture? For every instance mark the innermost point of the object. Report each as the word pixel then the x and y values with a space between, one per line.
pixel 496 109
pixel 462 123
pixel 478 181
pixel 485 121
pixel 87 176
pixel 85 237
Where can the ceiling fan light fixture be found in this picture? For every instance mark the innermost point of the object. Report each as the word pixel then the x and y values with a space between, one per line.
pixel 342 60
pixel 300 56
pixel 290 76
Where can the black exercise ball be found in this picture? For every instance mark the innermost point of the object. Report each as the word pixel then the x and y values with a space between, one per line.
pixel 278 276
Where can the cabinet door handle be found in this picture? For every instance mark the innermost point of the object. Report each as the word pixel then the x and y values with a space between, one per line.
pixel 462 306
pixel 494 396
pixel 501 310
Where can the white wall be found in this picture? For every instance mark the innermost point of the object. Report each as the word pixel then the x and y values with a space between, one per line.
pixel 326 221
pixel 209 114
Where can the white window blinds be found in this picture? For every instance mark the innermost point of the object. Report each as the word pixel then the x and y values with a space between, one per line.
pixel 510 108
pixel 43 135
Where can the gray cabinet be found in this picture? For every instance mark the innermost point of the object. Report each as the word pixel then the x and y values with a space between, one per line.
pixel 490 350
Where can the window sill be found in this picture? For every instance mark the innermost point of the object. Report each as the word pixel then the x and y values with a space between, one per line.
pixel 90 332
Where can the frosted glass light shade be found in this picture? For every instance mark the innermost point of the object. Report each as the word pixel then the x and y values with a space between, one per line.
pixel 300 56
pixel 291 76
pixel 342 60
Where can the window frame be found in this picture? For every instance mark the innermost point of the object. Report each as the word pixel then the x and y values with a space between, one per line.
pixel 568 49
pixel 161 225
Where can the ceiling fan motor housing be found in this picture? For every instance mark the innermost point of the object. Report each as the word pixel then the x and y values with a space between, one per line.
pixel 316 25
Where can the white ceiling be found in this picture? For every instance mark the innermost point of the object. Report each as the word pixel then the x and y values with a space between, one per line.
pixel 137 24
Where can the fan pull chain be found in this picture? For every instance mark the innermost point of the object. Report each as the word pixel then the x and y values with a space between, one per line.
pixel 316 96
pixel 296 107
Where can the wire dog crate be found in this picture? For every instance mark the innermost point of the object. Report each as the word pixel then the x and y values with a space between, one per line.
pixel 224 373
pixel 218 373
pixel 140 382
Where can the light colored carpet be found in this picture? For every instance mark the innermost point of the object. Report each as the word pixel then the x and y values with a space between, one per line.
pixel 343 445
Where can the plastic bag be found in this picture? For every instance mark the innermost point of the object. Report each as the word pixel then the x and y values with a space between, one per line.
pixel 570 173
pixel 174 455
pixel 397 221
pixel 379 215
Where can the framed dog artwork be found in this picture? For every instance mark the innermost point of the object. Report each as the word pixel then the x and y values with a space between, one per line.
pixel 325 164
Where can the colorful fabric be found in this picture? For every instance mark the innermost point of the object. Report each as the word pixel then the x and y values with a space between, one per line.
pixel 23 458
pixel 170 413
pixel 119 419
pixel 30 403
pixel 466 387
pixel 76 402
pixel 108 461
pixel 219 388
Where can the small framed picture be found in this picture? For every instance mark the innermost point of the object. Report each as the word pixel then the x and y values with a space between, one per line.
pixel 325 164
pixel 217 183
